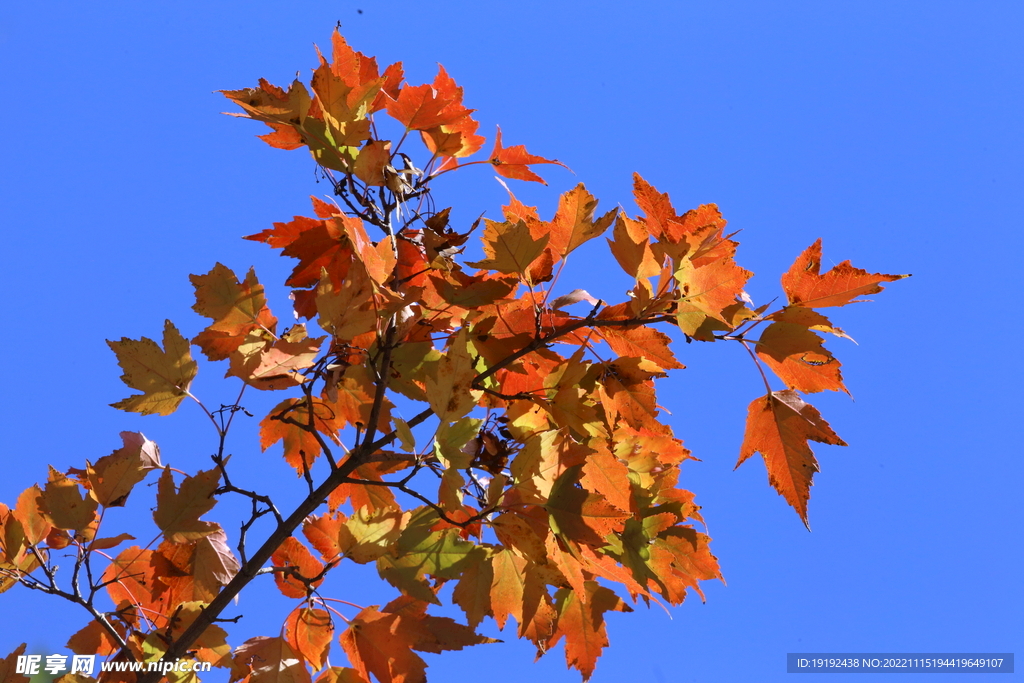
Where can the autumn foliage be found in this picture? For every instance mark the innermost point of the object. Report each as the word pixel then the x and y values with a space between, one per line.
pixel 472 423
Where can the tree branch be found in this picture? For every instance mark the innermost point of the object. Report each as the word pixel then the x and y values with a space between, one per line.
pixel 254 565
pixel 542 341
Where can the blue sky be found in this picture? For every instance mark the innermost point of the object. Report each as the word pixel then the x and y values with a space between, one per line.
pixel 891 130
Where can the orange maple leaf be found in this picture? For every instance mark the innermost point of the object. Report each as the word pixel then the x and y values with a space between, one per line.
pixel 659 216
pixel 317 244
pixel 93 639
pixel 631 246
pixel 513 162
pixel 712 287
pixel 797 356
pixel 355 69
pixel 381 641
pixel 510 247
pixel 453 140
pixel 578 514
pixel 283 111
pixel 114 476
pixel 279 365
pixel 268 660
pixel 295 557
pixel 234 307
pixel 28 521
pixel 574 221
pixel 778 427
pixel 680 557
pixel 373 498
pixel 581 622
pixel 289 421
pixel 129 578
pixel 309 632
pixel 473 592
pixel 8 666
pixel 323 532
pixel 642 342
pixel 805 286
pixel 662 220
pixel 423 107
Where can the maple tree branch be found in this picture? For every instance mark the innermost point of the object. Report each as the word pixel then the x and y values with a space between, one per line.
pixel 416 216
pixel 170 623
pixel 307 389
pixel 76 572
pixel 76 597
pixel 105 624
pixel 382 385
pixel 49 571
pixel 543 341
pixel 400 485
pixel 228 487
pixel 233 620
pixel 385 209
pixel 390 316
pixel 88 574
pixel 249 570
pixel 117 579
pixel 305 471
pixel 522 395
pixel 26 580
pixel 235 407
pixel 256 500
pixel 254 565
pixel 412 276
pixel 256 514
pixel 340 191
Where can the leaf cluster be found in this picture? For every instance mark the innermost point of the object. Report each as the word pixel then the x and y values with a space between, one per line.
pixel 454 422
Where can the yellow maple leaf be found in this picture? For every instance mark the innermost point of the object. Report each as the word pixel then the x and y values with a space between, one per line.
pixel 162 375
pixel 510 248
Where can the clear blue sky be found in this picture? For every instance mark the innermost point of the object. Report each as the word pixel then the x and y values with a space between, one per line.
pixel 892 130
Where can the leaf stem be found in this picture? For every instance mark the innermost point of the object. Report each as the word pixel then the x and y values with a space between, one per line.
pixel 757 363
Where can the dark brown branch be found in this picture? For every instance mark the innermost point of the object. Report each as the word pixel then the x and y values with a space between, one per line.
pixel 400 485
pixel 244 531
pixel 542 341
pixel 76 598
pixel 307 389
pixel 228 487
pixel 522 395
pixel 232 620
pixel 254 565
pixel 382 385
